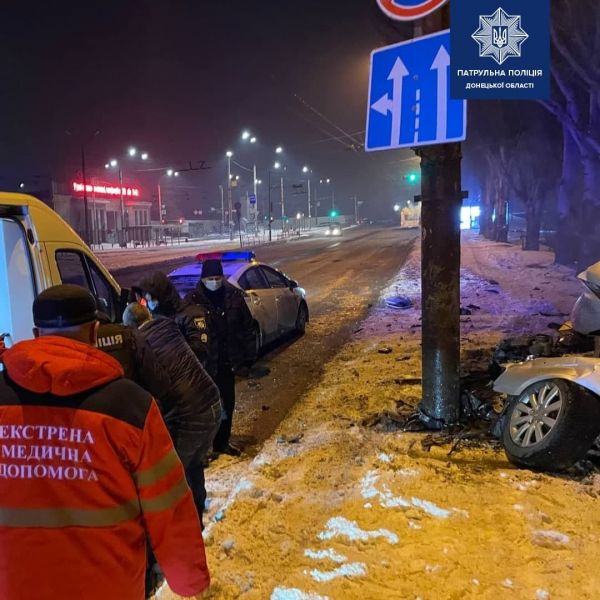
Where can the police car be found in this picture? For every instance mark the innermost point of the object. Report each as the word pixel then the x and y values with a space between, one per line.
pixel 277 303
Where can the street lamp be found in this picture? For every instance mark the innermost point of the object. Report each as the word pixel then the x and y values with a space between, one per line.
pixel 279 150
pixel 245 135
pixel 396 208
pixel 132 151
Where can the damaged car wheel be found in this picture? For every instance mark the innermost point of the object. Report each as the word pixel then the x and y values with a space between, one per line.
pixel 551 425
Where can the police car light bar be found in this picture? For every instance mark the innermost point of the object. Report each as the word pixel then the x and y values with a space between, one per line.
pixel 248 256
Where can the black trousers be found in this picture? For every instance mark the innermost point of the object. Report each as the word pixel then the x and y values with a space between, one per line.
pixel 225 380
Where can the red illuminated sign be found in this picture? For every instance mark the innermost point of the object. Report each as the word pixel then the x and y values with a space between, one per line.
pixel 107 190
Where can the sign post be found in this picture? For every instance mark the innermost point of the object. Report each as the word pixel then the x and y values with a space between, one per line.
pixel 417 111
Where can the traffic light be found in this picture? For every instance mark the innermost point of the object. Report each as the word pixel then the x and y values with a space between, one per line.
pixel 412 178
pixel 333 213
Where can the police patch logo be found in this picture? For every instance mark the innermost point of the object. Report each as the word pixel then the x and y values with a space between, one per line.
pixel 200 323
pixel 500 36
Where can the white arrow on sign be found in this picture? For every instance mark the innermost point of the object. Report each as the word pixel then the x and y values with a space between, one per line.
pixel 441 64
pixel 393 105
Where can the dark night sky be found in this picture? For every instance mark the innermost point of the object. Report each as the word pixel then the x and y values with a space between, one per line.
pixel 182 78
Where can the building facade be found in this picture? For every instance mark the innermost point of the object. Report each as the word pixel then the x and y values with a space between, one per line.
pixel 117 215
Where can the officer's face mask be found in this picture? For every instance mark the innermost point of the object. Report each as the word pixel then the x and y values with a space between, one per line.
pixel 151 303
pixel 212 283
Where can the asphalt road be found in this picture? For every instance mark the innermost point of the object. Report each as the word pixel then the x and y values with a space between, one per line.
pixel 343 277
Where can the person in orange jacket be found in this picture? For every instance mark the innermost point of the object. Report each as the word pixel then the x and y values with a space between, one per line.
pixel 88 471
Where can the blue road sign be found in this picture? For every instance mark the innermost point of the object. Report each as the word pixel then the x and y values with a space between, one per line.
pixel 409 96
pixel 252 199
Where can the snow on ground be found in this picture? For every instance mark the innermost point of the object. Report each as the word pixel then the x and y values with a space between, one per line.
pixel 120 258
pixel 334 509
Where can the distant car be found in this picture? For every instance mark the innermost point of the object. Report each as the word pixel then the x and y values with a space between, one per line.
pixel 333 229
pixel 277 303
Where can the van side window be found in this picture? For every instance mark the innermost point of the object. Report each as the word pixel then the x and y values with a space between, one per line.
pixel 76 269
pixel 72 269
pixel 105 296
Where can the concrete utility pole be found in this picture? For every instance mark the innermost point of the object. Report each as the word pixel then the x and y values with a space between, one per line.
pixel 222 209
pixel 282 203
pixel 270 210
pixel 85 197
pixel 123 241
pixel 440 217
pixel 309 215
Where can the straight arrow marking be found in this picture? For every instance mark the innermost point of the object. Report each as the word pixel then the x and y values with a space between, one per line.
pixel 441 64
pixel 397 75
pixel 393 105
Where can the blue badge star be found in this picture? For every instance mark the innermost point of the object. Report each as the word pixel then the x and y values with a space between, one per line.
pixel 500 36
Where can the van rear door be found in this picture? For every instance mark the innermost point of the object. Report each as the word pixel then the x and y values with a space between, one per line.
pixel 17 276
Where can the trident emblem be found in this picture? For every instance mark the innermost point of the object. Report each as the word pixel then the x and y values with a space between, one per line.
pixel 500 36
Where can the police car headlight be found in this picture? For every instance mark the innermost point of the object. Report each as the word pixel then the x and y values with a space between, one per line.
pixel 328 232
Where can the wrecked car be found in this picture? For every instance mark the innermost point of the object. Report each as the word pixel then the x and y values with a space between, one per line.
pixel 552 414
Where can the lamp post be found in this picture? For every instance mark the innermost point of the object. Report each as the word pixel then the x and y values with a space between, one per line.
pixel 132 152
pixel 279 167
pixel 307 170
pixel 83 175
pixel 328 182
pixel 229 154
pixel 222 209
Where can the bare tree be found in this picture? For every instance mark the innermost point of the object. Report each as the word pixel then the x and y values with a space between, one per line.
pixel 576 104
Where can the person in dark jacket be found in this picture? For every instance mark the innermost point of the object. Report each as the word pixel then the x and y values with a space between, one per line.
pixel 105 475
pixel 190 402
pixel 232 327
pixel 163 300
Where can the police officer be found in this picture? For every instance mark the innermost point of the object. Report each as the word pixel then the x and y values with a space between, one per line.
pixel 230 323
pixel 163 300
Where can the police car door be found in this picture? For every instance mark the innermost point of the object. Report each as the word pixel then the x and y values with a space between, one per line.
pixel 17 279
pixel 262 302
pixel 285 298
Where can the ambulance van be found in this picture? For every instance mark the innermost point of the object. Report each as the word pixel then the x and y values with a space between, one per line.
pixel 39 250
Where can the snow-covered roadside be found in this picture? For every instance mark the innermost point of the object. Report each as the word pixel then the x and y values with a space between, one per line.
pixel 332 508
pixel 120 258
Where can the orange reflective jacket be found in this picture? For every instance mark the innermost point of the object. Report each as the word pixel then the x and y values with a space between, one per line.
pixel 87 470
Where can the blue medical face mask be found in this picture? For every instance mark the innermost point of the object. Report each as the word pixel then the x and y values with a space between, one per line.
pixel 213 284
pixel 151 303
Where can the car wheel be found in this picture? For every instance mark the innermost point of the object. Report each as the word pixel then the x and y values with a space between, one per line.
pixel 302 319
pixel 551 425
